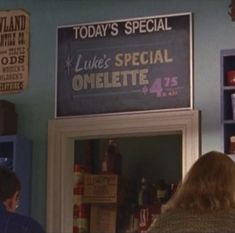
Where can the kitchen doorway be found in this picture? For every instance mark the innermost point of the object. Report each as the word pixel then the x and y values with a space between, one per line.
pixel 62 134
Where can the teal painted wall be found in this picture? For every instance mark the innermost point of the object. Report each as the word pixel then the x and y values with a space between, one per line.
pixel 213 31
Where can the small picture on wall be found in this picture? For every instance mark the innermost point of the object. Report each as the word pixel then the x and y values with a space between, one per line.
pixel 14 45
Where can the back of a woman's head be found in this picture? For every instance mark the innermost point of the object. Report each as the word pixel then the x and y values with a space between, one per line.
pixel 209 185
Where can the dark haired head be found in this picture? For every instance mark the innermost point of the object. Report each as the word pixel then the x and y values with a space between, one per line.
pixel 9 184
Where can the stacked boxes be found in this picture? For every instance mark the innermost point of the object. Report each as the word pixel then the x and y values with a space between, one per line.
pixel 101 191
pixel 101 188
pixel 103 218
pixel 80 209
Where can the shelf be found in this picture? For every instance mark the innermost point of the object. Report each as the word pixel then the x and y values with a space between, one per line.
pixel 15 154
pixel 229 122
pixel 227 63
pixel 229 87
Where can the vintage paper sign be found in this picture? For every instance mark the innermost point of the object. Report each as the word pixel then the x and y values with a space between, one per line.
pixel 14 45
pixel 100 188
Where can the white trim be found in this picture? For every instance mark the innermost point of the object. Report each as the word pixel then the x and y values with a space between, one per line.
pixel 63 132
pixel 191 62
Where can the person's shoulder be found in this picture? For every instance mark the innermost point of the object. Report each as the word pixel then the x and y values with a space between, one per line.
pixel 230 212
pixel 30 223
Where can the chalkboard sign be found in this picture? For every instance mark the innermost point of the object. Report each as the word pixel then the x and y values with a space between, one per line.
pixel 136 64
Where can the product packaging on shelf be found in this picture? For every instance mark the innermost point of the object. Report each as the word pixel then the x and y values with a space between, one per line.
pixel 103 218
pixel 105 189
pixel 232 145
pixel 80 209
pixel 231 78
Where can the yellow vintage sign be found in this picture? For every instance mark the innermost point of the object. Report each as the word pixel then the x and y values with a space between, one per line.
pixel 14 46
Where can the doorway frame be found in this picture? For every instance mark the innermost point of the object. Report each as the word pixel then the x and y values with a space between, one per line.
pixel 62 134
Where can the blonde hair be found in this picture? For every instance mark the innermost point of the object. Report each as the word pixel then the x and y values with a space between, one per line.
pixel 209 185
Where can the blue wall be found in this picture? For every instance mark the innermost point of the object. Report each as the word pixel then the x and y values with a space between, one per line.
pixel 213 31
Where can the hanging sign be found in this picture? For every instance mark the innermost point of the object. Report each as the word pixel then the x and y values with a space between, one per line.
pixel 14 44
pixel 126 65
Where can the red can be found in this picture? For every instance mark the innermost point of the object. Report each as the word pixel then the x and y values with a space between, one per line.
pixel 231 77
pixel 80 211
pixel 145 219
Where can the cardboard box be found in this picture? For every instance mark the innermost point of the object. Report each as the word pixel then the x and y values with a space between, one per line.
pixel 101 188
pixel 8 118
pixel 103 218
